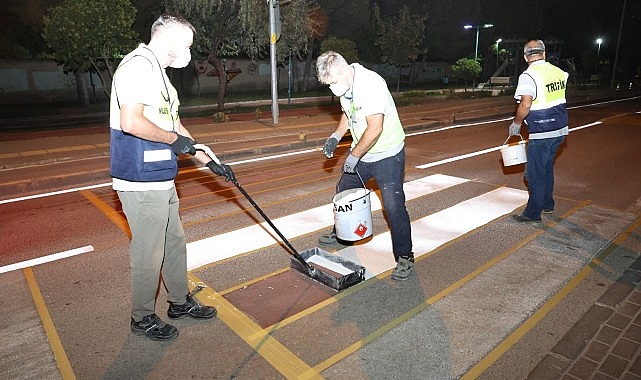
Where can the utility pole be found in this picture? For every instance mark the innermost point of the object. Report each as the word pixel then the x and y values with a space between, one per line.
pixel 274 34
pixel 616 55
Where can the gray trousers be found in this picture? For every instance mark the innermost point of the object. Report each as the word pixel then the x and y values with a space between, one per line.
pixel 158 245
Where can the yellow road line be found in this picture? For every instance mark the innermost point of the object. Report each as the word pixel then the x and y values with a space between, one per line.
pixel 526 326
pixel 50 329
pixel 430 301
pixel 109 212
pixel 259 339
pixel 283 360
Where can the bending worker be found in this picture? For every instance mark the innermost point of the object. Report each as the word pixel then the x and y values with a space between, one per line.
pixel 378 147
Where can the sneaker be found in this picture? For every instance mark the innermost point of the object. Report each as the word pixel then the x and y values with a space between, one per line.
pixel 153 328
pixel 544 211
pixel 327 239
pixel 524 219
pixel 191 308
pixel 403 269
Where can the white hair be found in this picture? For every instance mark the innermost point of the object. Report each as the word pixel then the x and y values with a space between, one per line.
pixel 328 65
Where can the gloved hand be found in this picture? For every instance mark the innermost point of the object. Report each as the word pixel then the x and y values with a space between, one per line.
pixel 183 144
pixel 222 169
pixel 330 145
pixel 514 129
pixel 350 164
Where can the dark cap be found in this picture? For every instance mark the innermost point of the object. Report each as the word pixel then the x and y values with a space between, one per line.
pixel 538 47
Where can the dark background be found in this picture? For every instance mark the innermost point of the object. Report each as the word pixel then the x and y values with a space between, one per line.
pixel 574 24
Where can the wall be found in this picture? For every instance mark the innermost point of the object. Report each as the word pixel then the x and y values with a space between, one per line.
pixel 41 81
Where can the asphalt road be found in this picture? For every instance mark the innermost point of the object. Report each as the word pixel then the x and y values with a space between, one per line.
pixel 489 299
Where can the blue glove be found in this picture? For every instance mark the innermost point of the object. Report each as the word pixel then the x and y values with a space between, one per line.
pixel 183 144
pixel 350 164
pixel 330 145
pixel 514 129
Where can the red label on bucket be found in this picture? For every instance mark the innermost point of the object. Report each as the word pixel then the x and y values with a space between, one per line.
pixel 361 230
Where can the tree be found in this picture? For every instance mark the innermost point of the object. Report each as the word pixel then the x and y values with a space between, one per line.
pixel 399 38
pixel 296 36
pixel 218 32
pixel 83 33
pixel 316 29
pixel 467 69
pixel 344 47
pixel 351 20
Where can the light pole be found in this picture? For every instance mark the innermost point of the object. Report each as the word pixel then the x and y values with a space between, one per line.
pixel 599 41
pixel 497 53
pixel 477 27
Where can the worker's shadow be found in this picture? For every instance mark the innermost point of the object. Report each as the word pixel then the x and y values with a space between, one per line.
pixel 399 327
pixel 138 358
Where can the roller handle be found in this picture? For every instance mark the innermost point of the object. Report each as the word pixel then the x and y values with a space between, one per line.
pixel 295 253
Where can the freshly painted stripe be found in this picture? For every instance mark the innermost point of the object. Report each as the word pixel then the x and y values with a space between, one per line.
pixel 46 259
pixel 207 251
pixel 50 329
pixel 436 229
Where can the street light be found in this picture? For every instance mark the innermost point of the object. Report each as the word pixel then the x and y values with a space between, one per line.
pixel 497 53
pixel 477 27
pixel 599 41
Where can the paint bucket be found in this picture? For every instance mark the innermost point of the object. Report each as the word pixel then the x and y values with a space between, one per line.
pixel 513 153
pixel 353 214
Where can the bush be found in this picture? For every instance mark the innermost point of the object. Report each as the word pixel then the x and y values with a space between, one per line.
pixel 220 117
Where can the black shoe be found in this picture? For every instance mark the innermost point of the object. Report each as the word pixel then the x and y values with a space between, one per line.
pixel 524 219
pixel 550 211
pixel 154 328
pixel 191 308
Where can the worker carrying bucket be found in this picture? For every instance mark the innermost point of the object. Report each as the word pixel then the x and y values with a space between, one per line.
pixel 377 152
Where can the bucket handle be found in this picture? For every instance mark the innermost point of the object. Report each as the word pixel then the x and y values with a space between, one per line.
pixel 359 177
pixel 508 138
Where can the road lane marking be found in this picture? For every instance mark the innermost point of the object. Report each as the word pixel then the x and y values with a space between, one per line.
pixel 354 347
pixel 108 211
pixel 313 150
pixel 62 361
pixel 553 301
pixel 488 150
pixel 259 339
pixel 251 238
pixel 432 231
pixel 46 259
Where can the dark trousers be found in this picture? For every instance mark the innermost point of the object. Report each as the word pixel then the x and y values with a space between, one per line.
pixel 539 173
pixel 388 174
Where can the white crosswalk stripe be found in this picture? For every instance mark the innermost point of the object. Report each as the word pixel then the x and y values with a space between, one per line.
pixel 427 233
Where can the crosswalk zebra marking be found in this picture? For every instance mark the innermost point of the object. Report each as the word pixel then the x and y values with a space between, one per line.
pixel 206 251
pixel 432 231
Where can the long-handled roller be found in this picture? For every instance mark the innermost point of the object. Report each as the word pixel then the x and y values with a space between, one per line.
pixel 343 274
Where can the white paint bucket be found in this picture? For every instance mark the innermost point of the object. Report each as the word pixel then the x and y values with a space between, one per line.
pixel 353 214
pixel 513 153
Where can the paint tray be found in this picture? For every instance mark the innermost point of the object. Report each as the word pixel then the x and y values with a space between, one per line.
pixel 331 270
